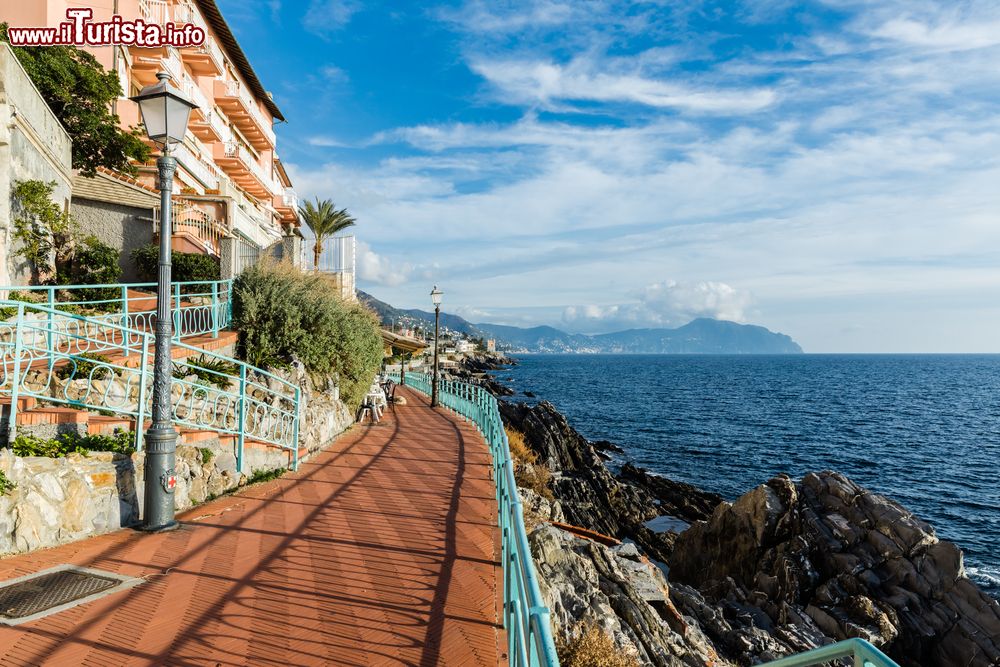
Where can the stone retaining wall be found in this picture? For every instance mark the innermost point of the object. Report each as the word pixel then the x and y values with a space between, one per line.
pixel 66 499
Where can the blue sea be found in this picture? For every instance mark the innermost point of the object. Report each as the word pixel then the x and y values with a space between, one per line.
pixel 921 429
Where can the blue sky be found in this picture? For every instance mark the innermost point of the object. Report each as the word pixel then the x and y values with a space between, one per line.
pixel 827 169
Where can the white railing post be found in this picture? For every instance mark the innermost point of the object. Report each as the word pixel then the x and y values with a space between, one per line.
pixel 15 387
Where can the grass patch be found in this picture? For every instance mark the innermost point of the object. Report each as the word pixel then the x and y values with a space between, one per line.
pixel 122 442
pixel 589 646
pixel 266 475
pixel 206 455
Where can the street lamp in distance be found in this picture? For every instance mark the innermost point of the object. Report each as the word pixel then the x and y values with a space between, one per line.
pixel 436 295
pixel 165 113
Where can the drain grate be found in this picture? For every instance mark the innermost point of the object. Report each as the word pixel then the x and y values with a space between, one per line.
pixel 50 591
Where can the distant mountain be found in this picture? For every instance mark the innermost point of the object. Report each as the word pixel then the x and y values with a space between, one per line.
pixel 700 336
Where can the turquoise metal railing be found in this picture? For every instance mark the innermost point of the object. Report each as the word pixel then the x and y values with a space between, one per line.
pixel 199 307
pixel 526 618
pixel 861 652
pixel 44 355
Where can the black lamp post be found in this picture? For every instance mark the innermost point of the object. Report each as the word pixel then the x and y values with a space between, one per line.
pixel 436 300
pixel 165 112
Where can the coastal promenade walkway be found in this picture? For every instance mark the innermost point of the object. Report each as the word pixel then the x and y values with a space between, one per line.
pixel 380 550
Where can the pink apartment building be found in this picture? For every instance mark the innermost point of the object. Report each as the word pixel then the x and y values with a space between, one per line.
pixel 233 198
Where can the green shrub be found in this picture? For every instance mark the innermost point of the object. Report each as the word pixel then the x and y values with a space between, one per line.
pixel 185 266
pixel 206 455
pixel 122 442
pixel 283 314
pixel 81 365
pixel 8 312
pixel 6 486
pixel 208 370
pixel 94 263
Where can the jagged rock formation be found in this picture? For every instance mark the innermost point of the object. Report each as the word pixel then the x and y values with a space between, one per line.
pixel 620 591
pixel 590 495
pixel 785 568
pixel 852 562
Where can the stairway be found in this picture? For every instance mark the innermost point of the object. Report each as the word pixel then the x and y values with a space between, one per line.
pixel 262 407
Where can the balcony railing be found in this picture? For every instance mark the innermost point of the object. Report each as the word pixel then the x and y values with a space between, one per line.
pixel 154 11
pixel 234 89
pixel 238 150
pixel 290 199
pixel 186 219
pixel 194 93
pixel 207 53
pixel 207 174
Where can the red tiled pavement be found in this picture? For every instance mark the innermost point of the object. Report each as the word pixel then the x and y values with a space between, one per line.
pixel 379 551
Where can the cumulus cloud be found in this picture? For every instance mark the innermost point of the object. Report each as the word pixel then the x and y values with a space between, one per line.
pixel 665 304
pixel 378 270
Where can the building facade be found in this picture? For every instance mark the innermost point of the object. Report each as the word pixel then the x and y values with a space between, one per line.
pixel 33 147
pixel 231 193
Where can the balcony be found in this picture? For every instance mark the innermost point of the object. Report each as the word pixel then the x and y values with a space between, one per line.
pixel 195 94
pixel 154 11
pixel 205 173
pixel 287 205
pixel 211 127
pixel 206 59
pixel 194 226
pixel 241 107
pixel 145 67
pixel 243 168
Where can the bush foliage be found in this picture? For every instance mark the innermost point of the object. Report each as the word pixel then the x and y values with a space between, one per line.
pixel 122 442
pixel 79 91
pixel 283 314
pixel 185 266
pixel 94 263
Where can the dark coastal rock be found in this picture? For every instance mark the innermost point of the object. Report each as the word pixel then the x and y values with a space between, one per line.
pixel 827 554
pixel 603 446
pixel 677 499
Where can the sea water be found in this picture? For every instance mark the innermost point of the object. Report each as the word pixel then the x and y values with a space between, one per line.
pixel 923 430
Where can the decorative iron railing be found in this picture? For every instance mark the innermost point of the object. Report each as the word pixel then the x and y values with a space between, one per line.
pixel 526 618
pixel 95 364
pixel 858 651
pixel 199 307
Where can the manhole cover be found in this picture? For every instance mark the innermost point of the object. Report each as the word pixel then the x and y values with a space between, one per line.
pixel 50 591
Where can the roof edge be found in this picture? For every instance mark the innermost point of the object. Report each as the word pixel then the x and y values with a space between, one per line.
pixel 226 36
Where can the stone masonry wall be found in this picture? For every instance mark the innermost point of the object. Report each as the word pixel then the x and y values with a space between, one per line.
pixel 66 499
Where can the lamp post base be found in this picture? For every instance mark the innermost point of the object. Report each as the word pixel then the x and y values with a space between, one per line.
pixel 166 528
pixel 160 480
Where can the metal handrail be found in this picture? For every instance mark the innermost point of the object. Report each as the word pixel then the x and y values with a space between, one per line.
pixel 43 355
pixel 199 306
pixel 861 652
pixel 526 618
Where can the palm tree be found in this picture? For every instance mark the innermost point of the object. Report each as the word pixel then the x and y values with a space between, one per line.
pixel 325 220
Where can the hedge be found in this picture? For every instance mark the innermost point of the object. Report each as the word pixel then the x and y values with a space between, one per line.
pixel 282 314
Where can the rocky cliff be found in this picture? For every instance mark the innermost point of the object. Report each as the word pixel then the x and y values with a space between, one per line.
pixel 787 567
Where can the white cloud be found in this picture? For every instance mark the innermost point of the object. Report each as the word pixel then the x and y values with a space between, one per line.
pixel 664 304
pixel 545 82
pixel 327 16
pixel 379 270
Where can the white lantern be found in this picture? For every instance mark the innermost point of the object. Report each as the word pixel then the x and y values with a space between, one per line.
pixel 436 296
pixel 165 111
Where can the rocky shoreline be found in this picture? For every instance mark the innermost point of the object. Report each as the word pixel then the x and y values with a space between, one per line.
pixel 678 576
